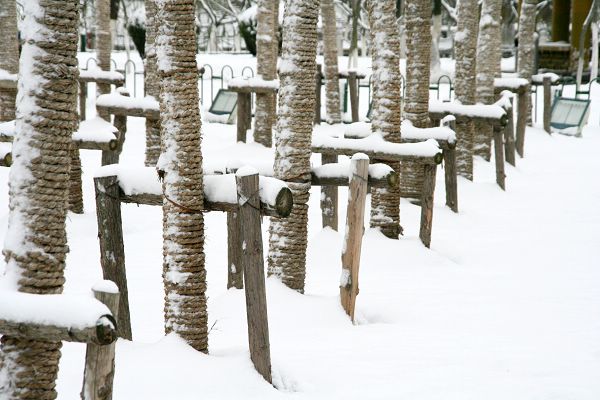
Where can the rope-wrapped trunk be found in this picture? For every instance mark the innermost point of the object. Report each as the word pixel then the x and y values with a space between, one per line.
pixel 416 104
pixel 330 57
pixel 385 202
pixel 288 236
pixel 9 56
pixel 103 42
pixel 465 43
pixel 526 48
pixel 36 248
pixel 267 48
pixel 180 164
pixel 489 55
pixel 151 85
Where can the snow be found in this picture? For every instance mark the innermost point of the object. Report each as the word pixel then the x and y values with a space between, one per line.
pixel 439 133
pixel 539 78
pixel 105 286
pixel 8 129
pixel 5 148
pixel 246 171
pixel 258 81
pixel 7 76
pixel 74 311
pixel 97 73
pixel 511 82
pixel 475 110
pixel 116 100
pixel 343 168
pixel 95 130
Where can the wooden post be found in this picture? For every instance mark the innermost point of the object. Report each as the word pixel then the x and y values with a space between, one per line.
pixel 509 137
pixel 499 156
pixel 353 90
pixel 357 193
pixel 234 252
pixel 100 360
pixel 82 100
pixel 254 272
pixel 427 203
pixel 318 85
pixel 523 107
pixel 547 102
pixel 329 198
pixel 112 252
pixel 450 173
pixel 112 156
pixel 244 115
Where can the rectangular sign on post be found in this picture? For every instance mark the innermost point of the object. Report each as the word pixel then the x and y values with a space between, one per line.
pixel 225 104
pixel 569 115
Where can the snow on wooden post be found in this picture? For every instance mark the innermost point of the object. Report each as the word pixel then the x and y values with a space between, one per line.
pixel 112 252
pixel 523 107
pixel 120 122
pixel 100 360
pixel 244 114
pixel 499 157
pixel 254 271
pixel 234 252
pixel 450 173
pixel 427 203
pixel 547 84
pixel 329 198
pixel 353 90
pixel 355 217
pixel 318 86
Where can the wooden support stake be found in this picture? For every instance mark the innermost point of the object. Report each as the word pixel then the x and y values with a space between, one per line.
pixel 100 360
pixel 254 272
pixel 499 156
pixel 523 108
pixel 234 252
pixel 112 251
pixel 318 86
pixel 451 180
pixel 357 193
pixel 353 89
pixel 329 198
pixel 112 156
pixel 509 138
pixel 427 204
pixel 82 100
pixel 244 115
pixel 547 102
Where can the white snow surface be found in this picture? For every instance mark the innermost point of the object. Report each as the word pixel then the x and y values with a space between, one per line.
pixel 474 110
pixel 116 100
pixel 95 130
pixel 5 148
pixel 343 168
pixel 7 76
pixel 511 82
pixel 376 143
pixel 257 81
pixel 97 73
pixel 8 128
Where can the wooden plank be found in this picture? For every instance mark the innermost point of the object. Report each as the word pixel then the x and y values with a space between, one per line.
pixel 101 80
pixel 243 115
pixel 91 145
pixel 329 198
pixel 499 156
pixel 353 90
pixel 100 360
pixel 234 252
pixel 112 251
pixel 8 84
pixel 547 84
pixel 355 217
pixel 248 89
pixel 130 111
pixel 463 118
pixel 427 204
pixel 254 273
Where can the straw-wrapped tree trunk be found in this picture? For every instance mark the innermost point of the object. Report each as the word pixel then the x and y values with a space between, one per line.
pixel 9 56
pixel 526 49
pixel 36 245
pixel 465 45
pixel 267 48
pixel 385 203
pixel 151 85
pixel 288 236
pixel 489 55
pixel 180 164
pixel 416 106
pixel 330 57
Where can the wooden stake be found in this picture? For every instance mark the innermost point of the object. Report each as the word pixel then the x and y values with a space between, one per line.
pixel 112 252
pixel 499 156
pixel 427 204
pixel 509 138
pixel 523 108
pixel 547 102
pixel 450 173
pixel 329 198
pixel 355 217
pixel 254 272
pixel 234 252
pixel 82 100
pixel 318 86
pixel 353 89
pixel 244 115
pixel 100 360
pixel 111 156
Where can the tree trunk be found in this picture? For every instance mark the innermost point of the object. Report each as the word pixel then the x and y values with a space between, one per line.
pixel 330 57
pixel 36 248
pixel 288 237
pixel 436 33
pixel 465 42
pixel 151 85
pixel 488 68
pixel 416 106
pixel 561 15
pixel 9 56
pixel 267 46
pixel 526 49
pixel 184 274
pixel 385 119
pixel 103 42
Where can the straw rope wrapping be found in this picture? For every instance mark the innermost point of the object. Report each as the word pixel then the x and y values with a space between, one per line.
pixel 288 236
pixel 103 42
pixel 183 227
pixel 526 48
pixel 385 203
pixel 9 56
pixel 267 48
pixel 488 68
pixel 36 247
pixel 465 41
pixel 416 106
pixel 330 57
pixel 151 85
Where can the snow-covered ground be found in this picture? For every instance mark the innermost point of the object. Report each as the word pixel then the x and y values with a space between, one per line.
pixel 505 304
